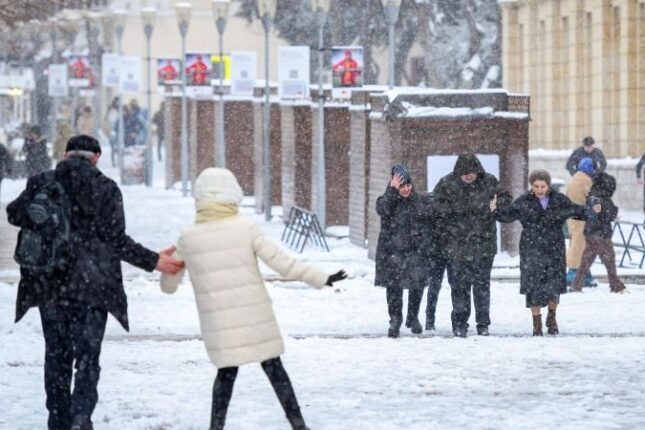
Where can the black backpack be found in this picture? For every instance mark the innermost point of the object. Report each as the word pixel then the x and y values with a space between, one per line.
pixel 44 244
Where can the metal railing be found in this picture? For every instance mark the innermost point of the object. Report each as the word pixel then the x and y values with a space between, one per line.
pixel 629 243
pixel 302 226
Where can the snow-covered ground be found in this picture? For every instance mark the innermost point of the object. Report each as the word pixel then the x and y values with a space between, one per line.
pixel 346 372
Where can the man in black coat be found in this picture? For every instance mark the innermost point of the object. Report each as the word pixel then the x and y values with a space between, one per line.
pixel 587 150
pixel 5 163
pixel 639 171
pixel 74 303
pixel 35 148
pixel 466 201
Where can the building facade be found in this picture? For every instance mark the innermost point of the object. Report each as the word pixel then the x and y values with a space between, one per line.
pixel 583 63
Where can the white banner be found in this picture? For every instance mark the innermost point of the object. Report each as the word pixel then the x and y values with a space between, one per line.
pixel 244 65
pixel 110 70
pixel 293 72
pixel 130 74
pixel 57 80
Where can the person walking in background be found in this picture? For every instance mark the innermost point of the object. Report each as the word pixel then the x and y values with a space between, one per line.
pixel 398 260
pixel 466 201
pixel 5 164
pixel 587 149
pixel 74 299
pixel 601 212
pixel 237 320
pixel 159 122
pixel 577 190
pixel 435 259
pixel 112 128
pixel 35 149
pixel 63 134
pixel 639 170
pixel 542 211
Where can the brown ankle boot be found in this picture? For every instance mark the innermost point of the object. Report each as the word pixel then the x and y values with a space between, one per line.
pixel 537 325
pixel 551 323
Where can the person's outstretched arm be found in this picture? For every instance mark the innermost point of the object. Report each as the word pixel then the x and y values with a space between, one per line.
pixel 639 166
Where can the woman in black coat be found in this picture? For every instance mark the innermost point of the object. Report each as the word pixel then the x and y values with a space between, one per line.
pixel 397 253
pixel 542 212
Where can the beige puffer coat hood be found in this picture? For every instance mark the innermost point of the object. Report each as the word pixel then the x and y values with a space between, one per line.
pixel 235 311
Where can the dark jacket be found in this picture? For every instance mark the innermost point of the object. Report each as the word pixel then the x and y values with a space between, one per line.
pixel 463 210
pixel 36 158
pixel 542 248
pixel 99 243
pixel 399 263
pixel 639 166
pixel 599 224
pixel 599 161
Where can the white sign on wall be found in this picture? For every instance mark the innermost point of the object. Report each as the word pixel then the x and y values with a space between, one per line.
pixel 57 80
pixel 110 70
pixel 243 72
pixel 130 74
pixel 293 72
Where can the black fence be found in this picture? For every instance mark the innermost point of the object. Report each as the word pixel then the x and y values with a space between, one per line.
pixel 302 226
pixel 628 236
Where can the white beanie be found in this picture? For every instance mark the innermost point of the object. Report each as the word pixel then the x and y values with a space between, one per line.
pixel 218 185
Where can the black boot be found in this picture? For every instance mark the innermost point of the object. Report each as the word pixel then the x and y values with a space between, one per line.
pixel 81 422
pixel 297 423
pixel 461 331
pixel 395 326
pixel 482 331
pixel 414 325
pixel 551 323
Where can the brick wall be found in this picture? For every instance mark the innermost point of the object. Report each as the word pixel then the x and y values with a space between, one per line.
pixel 202 136
pixel 296 156
pixel 359 163
pixel 239 117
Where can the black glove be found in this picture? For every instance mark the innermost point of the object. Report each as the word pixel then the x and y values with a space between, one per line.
pixel 338 276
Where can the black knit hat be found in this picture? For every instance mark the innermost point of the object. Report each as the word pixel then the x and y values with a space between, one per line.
pixel 588 141
pixel 402 170
pixel 83 142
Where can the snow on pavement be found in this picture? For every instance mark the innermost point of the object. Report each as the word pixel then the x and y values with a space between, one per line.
pixel 346 372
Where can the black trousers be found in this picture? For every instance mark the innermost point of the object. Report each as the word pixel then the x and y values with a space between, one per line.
pixel 223 389
pixel 437 266
pixel 467 275
pixel 394 298
pixel 73 337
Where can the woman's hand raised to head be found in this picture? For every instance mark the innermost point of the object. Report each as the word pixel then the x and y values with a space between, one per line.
pixel 396 181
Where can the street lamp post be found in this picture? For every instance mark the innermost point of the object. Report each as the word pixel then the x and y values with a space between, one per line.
pixel 321 7
pixel 183 11
pixel 220 14
pixel 148 15
pixel 266 9
pixel 119 17
pixel 391 15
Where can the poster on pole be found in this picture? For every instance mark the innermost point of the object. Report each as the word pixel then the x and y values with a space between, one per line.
pixel 199 72
pixel 110 70
pixel 217 63
pixel 80 72
pixel 130 74
pixel 346 69
pixel 57 80
pixel 168 70
pixel 293 72
pixel 244 66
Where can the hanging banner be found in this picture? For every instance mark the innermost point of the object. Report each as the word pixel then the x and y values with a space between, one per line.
pixel 57 80
pixel 244 66
pixel 130 74
pixel 217 64
pixel 110 70
pixel 80 72
pixel 347 70
pixel 198 69
pixel 168 70
pixel 293 72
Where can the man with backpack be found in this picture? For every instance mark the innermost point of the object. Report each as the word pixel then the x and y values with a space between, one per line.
pixel 70 247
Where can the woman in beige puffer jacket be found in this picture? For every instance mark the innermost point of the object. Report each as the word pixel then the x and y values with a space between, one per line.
pixel 235 312
pixel 577 189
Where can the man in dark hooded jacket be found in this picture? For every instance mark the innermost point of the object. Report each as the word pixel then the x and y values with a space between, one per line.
pixel 74 303
pixel 466 201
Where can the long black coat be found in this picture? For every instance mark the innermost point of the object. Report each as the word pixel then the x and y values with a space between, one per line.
pixel 464 214
pixel 399 263
pixel 542 249
pixel 99 242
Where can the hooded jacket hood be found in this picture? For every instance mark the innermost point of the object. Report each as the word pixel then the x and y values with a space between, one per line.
pixel 217 185
pixel 604 185
pixel 468 163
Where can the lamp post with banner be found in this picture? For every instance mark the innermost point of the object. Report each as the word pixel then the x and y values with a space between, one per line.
pixel 266 10
pixel 148 16
pixel 183 11
pixel 220 14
